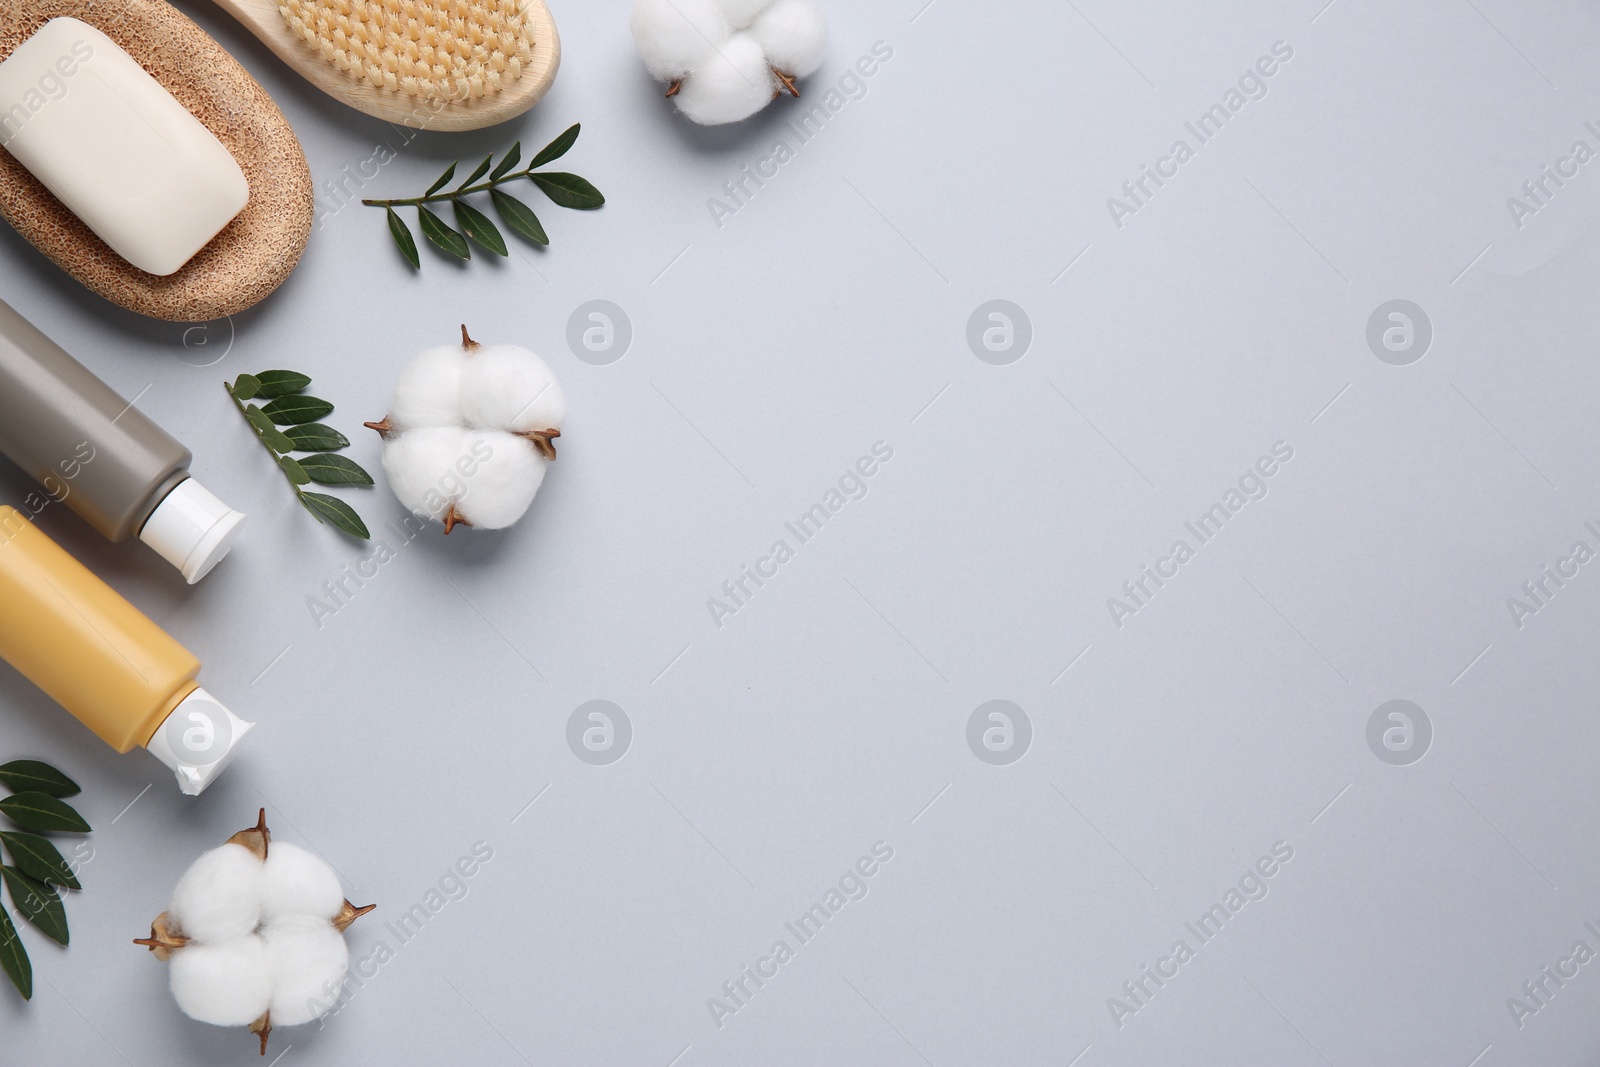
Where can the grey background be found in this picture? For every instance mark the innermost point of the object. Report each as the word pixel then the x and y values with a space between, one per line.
pixel 831 712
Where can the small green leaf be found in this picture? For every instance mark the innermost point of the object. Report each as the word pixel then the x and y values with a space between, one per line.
pixel 478 227
pixel 245 387
pixel 291 466
pixel 336 511
pixel 24 774
pixel 315 437
pixel 296 408
pixel 40 811
pixel 14 958
pixel 39 858
pixel 569 190
pixel 402 237
pixel 519 216
pixel 276 383
pixel 557 148
pixel 277 441
pixel 325 468
pixel 513 154
pixel 38 903
pixel 449 172
pixel 434 229
pixel 483 168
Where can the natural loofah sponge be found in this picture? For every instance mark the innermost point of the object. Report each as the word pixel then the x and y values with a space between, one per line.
pixel 471 432
pixel 430 49
pixel 255 935
pixel 724 60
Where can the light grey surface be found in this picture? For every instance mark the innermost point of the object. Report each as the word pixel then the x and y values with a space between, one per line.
pixel 830 312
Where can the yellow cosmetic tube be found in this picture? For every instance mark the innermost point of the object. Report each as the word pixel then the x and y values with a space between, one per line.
pixel 102 659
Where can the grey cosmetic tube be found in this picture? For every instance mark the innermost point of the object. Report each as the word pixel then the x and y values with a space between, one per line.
pixel 101 456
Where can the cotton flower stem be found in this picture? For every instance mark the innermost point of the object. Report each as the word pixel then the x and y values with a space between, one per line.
pixel 258 839
pixel 788 83
pixel 384 426
pixel 263 1028
pixel 466 340
pixel 349 914
pixel 541 439
pixel 163 940
pixel 674 88
pixel 454 518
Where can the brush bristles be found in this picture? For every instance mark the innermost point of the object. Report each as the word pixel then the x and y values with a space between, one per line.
pixel 431 49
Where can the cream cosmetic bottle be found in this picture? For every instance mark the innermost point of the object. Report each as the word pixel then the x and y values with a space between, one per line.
pixel 103 660
pixel 101 456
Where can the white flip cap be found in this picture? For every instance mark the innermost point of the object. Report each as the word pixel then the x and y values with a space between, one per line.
pixel 191 529
pixel 198 740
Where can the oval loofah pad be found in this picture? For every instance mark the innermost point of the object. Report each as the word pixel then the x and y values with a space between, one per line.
pixel 256 251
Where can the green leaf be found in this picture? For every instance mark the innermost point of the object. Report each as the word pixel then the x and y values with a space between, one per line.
pixel 569 190
pixel 325 468
pixel 14 958
pixel 557 148
pixel 39 858
pixel 38 903
pixel 316 437
pixel 478 227
pixel 296 408
pixel 402 237
pixel 483 168
pixel 276 383
pixel 332 509
pixel 517 215
pixel 434 229
pixel 513 154
pixel 291 466
pixel 270 435
pixel 245 387
pixel 449 172
pixel 24 774
pixel 40 811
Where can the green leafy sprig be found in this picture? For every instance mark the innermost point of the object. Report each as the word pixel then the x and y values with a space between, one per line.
pixel 288 423
pixel 36 867
pixel 563 189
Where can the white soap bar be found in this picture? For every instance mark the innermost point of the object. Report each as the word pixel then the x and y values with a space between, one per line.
pixel 115 147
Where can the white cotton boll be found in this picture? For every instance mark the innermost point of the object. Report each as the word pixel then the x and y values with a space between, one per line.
pixel 219 897
pixel 421 465
pixel 794 36
pixel 297 882
pixel 307 959
pixel 506 387
pixel 741 13
pixel 226 984
pixel 428 392
pixel 729 84
pixel 508 475
pixel 673 35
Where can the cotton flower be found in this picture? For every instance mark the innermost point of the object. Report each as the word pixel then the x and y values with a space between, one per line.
pixel 724 60
pixel 255 935
pixel 470 433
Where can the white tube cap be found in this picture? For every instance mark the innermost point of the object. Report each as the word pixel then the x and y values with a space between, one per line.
pixel 198 740
pixel 191 529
